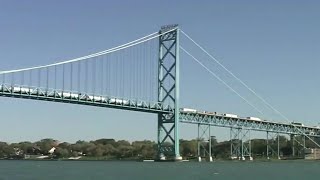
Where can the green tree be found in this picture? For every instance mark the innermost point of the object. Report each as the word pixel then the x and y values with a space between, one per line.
pixel 46 144
pixel 189 148
pixel 61 153
pixel 6 150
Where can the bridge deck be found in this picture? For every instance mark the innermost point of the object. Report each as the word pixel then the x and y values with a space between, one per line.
pixel 36 93
pixel 152 107
pixel 257 125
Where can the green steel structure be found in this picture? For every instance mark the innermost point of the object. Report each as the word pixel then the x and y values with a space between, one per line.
pixel 168 92
pixel 204 141
pixel 240 129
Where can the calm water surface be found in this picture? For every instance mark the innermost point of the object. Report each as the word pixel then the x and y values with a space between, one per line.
pixel 81 170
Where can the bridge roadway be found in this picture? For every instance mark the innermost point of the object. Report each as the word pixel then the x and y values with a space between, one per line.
pixel 257 125
pixel 44 94
pixel 36 93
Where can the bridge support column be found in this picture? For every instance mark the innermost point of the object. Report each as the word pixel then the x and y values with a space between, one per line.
pixel 298 145
pixel 240 144
pixel 267 155
pixel 246 144
pixel 292 144
pixel 168 93
pixel 278 145
pixel 235 143
pixel 271 144
pixel 210 145
pixel 204 142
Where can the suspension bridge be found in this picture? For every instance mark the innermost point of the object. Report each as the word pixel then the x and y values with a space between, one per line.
pixel 144 75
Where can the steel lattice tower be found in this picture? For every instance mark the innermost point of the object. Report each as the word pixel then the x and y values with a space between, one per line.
pixel 168 92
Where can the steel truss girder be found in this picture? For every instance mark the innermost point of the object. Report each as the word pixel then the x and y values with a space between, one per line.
pixel 222 121
pixel 168 93
pixel 44 94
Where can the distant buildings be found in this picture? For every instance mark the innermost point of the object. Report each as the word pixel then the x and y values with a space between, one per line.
pixel 51 151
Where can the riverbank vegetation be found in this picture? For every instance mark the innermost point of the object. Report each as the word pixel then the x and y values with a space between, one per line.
pixel 110 149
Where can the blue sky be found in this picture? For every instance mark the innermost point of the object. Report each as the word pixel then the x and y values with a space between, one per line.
pixel 273 46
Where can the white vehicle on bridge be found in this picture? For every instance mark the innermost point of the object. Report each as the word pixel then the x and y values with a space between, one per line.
pixel 74 95
pixel 230 115
pixel 97 98
pixel 20 90
pixel 188 110
pixel 297 123
pixel 254 118
pixel 118 101
pixel 210 113
pixel 70 95
pixel 66 95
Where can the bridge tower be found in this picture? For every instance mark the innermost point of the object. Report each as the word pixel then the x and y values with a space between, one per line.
pixel 168 92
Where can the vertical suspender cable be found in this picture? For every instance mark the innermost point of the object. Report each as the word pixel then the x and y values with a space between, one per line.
pixel 142 72
pixel 136 74
pixel 145 72
pixel 130 73
pixel 122 74
pixel 4 79
pixel 141 88
pixel 55 77
pixel 110 77
pixel 102 75
pixel 86 77
pixel 30 78
pixel 93 76
pixel 12 79
pixel 107 76
pixel 47 82
pixel 63 77
pixel 71 77
pixel 155 60
pixel 119 75
pixel 150 72
pixel 39 78
pixel 22 78
pixel 143 91
pixel 132 70
pixel 116 74
pixel 79 76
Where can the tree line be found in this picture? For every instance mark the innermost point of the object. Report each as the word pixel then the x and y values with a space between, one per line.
pixel 122 149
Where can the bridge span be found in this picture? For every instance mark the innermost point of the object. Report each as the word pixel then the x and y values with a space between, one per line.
pixel 196 117
pixel 143 75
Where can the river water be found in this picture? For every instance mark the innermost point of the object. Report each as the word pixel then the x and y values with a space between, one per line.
pixel 95 170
